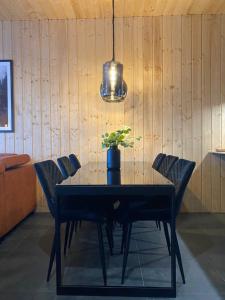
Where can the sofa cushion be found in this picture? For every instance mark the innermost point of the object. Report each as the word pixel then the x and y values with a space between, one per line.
pixel 11 161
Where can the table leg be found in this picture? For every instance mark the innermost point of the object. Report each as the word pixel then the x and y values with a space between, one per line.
pixel 58 255
pixel 173 256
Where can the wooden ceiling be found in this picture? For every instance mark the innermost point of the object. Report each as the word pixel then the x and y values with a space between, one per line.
pixel 82 9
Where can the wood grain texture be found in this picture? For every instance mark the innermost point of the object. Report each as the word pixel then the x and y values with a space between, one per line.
pixel 18 84
pixel 167 108
pixel 147 95
pixel 222 111
pixel 206 112
pixel 157 89
pixel 216 106
pixel 174 69
pixel 197 129
pixel 186 94
pixel 86 9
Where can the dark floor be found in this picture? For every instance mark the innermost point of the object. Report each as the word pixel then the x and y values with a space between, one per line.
pixel 24 255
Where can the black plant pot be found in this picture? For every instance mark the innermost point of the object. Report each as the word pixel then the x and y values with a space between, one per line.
pixel 113 158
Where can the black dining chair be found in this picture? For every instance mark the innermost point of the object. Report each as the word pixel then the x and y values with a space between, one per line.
pixel 156 164
pixel 180 175
pixel 68 170
pixel 158 161
pixel 49 176
pixel 74 161
pixel 167 164
pixel 69 167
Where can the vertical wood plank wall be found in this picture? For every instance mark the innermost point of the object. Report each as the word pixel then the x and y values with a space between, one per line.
pixel 175 70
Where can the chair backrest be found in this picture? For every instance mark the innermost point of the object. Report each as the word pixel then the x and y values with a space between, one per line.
pixel 158 160
pixel 66 167
pixel 49 175
pixel 74 161
pixel 167 164
pixel 180 175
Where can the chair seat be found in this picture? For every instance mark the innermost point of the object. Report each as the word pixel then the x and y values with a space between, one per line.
pixel 81 214
pixel 87 210
pixel 150 215
pixel 152 209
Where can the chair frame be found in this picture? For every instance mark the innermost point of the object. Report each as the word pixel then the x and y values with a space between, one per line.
pixel 60 221
pixel 127 233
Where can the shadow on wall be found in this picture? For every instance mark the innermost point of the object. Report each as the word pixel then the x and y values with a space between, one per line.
pixel 206 189
pixel 192 197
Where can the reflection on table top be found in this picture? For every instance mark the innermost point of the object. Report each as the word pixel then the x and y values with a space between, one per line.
pixel 94 173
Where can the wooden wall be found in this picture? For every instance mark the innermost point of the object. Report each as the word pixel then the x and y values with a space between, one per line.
pixel 175 71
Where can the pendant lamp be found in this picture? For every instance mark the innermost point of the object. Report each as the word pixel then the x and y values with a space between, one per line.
pixel 113 88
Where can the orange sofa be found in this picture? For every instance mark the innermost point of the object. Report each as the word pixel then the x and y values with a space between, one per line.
pixel 17 190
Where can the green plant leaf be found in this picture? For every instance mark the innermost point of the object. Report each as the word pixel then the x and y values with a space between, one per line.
pixel 119 137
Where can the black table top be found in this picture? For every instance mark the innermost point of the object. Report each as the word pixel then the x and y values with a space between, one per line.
pixel 134 178
pixel 130 173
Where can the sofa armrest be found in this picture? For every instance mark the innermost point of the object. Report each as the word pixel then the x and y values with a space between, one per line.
pixel 17 197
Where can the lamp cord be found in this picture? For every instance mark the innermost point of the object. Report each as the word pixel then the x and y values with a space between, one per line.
pixel 113 31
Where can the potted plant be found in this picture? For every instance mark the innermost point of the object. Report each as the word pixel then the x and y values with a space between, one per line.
pixel 112 141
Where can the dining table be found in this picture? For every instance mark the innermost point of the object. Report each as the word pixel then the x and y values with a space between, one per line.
pixel 134 181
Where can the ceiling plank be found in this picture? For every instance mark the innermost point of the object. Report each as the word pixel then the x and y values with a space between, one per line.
pixel 82 9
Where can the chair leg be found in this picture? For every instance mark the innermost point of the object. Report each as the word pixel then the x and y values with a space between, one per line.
pixel 76 225
pixel 159 224
pixel 179 259
pixel 124 234
pixel 156 223
pixel 126 251
pixel 66 236
pixel 102 253
pixel 167 236
pixel 51 260
pixel 71 233
pixel 109 237
pixel 111 228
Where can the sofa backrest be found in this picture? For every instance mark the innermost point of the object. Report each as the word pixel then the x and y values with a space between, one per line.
pixel 9 160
